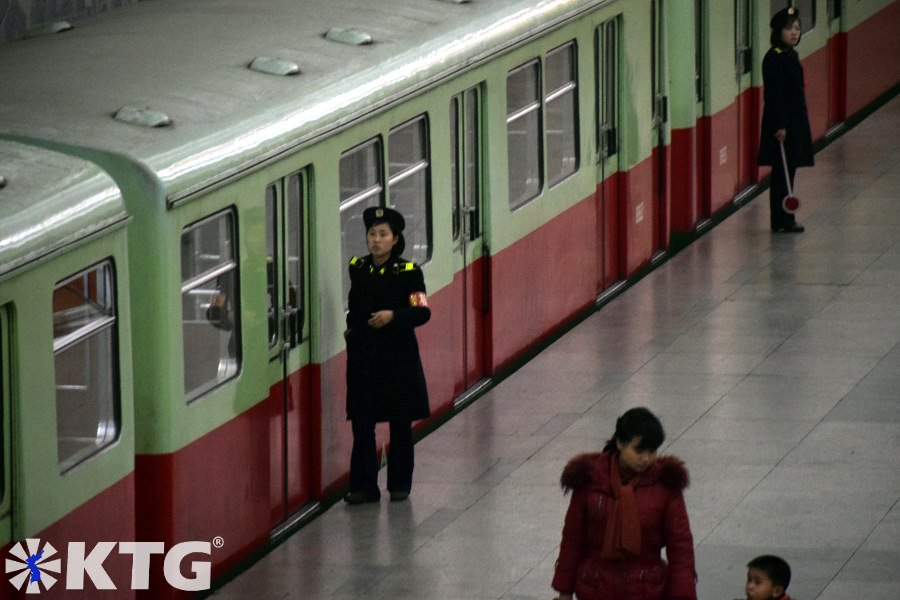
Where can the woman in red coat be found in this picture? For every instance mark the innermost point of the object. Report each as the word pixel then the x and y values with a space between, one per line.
pixel 627 505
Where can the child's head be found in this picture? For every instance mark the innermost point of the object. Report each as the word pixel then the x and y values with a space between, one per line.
pixel 767 578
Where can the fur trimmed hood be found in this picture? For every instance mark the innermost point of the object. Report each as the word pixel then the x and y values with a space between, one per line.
pixel 593 468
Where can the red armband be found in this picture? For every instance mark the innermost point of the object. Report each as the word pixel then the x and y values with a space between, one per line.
pixel 417 299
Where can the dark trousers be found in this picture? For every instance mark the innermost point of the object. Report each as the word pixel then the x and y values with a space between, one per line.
pixel 364 460
pixel 778 189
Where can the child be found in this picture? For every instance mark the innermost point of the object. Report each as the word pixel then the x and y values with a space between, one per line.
pixel 767 578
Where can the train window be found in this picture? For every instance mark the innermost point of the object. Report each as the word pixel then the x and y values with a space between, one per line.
pixel 743 51
pixel 455 151
pixel 285 250
pixel 408 184
pixel 85 364
pixel 4 413
pixel 272 262
pixel 562 108
pixel 209 304
pixel 607 88
pixel 361 187
pixel 523 133
pixel 465 149
pixel 472 161
pixel 807 10
pixel 294 255
pixel 699 51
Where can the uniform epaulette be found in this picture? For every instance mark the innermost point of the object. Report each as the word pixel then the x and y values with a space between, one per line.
pixel 778 50
pixel 357 262
pixel 402 267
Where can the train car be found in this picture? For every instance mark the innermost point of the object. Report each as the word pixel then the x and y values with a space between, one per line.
pixel 65 362
pixel 544 153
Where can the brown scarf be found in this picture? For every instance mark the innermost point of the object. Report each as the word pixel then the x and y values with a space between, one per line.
pixel 622 538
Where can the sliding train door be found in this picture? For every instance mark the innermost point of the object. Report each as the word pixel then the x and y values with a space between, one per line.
pixel 701 110
pixel 730 104
pixel 660 126
pixel 287 281
pixel 837 65
pixel 608 197
pixel 743 68
pixel 471 263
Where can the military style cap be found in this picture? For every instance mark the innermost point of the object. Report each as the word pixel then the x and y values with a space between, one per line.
pixel 783 17
pixel 379 214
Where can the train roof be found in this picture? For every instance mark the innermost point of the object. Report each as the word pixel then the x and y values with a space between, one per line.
pixel 189 61
pixel 49 201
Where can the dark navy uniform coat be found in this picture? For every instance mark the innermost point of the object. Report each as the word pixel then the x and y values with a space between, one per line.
pixel 385 380
pixel 784 108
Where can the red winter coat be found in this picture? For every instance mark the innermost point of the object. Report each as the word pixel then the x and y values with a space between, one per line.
pixel 664 524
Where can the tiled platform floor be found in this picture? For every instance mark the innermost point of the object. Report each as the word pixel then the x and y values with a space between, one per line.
pixel 774 363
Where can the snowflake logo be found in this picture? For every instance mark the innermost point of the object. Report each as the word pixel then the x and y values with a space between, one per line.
pixel 32 566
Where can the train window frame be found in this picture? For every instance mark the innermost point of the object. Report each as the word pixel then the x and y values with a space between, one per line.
pixel 296 299
pixel 807 10
pixel 417 169
pixel 531 180
pixel 273 264
pixel 5 404
pixel 607 55
pixel 286 256
pixel 455 118
pixel 76 326
pixel 567 89
pixel 215 310
pixel 354 200
pixel 466 150
pixel 530 113
pixel 700 58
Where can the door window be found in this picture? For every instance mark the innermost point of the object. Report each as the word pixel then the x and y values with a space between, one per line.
pixel 5 365
pixel 466 151
pixel 608 88
pixel 285 296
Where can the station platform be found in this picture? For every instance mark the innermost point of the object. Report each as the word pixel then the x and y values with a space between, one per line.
pixel 773 361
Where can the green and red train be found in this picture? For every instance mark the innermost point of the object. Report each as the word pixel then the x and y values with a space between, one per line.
pixel 170 158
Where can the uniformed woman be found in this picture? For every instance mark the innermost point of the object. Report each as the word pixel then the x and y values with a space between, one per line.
pixel 785 118
pixel 385 380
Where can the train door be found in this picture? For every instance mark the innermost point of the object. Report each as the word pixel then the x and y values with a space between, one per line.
pixel 700 75
pixel 287 283
pixel 471 251
pixel 837 65
pixel 660 121
pixel 608 198
pixel 743 66
pixel 6 526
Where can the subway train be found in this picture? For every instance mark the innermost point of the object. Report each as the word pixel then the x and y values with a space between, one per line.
pixel 182 186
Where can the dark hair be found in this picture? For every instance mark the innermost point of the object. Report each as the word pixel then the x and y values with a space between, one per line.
pixel 637 422
pixel 782 20
pixel 400 246
pixel 775 568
